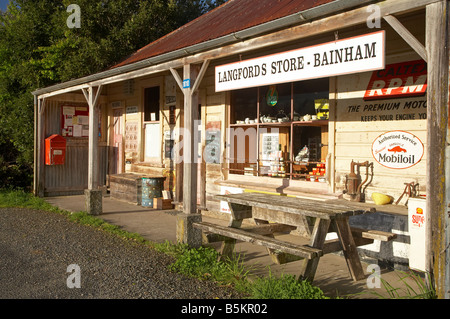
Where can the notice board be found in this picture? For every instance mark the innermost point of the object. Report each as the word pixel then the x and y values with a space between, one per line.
pixel 75 121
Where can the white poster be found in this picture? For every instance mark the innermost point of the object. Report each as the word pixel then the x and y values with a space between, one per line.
pixel 152 140
pixel 351 55
pixel 270 143
pixel 77 130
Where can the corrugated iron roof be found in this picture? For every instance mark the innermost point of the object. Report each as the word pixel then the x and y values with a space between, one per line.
pixel 232 16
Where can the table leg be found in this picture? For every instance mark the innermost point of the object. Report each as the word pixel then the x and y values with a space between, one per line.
pixel 238 213
pixel 318 236
pixel 271 252
pixel 349 248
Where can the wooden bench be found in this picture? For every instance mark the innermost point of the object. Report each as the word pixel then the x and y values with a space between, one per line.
pixel 247 235
pixel 214 233
pixel 361 237
pixel 273 212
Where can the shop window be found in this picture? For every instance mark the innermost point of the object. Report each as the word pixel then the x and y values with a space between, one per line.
pixel 245 101
pixel 151 104
pixel 283 130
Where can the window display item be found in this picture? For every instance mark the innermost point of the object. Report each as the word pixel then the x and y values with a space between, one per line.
pixel 322 108
pixel 303 155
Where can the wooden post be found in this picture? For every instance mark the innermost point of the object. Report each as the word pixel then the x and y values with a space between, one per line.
pixel 192 77
pixel 35 143
pixel 189 142
pixel 40 156
pixel 93 142
pixel 437 124
pixel 93 194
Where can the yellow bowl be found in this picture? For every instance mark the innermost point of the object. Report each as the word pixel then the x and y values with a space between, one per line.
pixel 381 199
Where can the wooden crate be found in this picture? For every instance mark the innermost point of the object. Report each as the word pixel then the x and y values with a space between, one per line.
pixel 161 203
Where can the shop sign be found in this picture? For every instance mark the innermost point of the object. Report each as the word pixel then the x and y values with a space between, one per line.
pixel 131 109
pixel 398 80
pixel 397 149
pixel 346 56
pixel 418 219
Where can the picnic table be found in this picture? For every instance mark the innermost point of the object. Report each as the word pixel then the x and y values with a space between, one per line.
pixel 314 219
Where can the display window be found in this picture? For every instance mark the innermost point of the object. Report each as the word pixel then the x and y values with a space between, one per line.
pixel 280 130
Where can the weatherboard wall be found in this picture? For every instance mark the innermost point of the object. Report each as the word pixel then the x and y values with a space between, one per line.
pixel 358 121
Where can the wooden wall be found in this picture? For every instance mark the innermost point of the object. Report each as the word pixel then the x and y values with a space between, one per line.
pixel 70 178
pixel 353 132
pixel 213 116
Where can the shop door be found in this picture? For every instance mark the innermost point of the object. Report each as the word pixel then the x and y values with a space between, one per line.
pixel 117 157
pixel 152 147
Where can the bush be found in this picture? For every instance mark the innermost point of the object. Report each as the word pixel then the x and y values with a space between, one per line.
pixel 200 262
pixel 15 176
pixel 285 287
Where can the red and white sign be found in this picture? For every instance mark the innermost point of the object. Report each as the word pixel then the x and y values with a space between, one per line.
pixel 418 219
pixel 398 80
pixel 397 149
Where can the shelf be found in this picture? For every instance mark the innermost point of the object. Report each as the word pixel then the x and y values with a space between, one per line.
pixel 244 124
pixel 299 123
pixel 276 124
pixel 311 123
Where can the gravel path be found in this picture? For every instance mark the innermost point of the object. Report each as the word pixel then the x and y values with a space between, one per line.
pixel 36 248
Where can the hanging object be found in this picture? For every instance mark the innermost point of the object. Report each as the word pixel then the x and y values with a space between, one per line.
pixel 272 96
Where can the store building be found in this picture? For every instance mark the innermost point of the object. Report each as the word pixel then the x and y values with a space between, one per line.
pixel 285 97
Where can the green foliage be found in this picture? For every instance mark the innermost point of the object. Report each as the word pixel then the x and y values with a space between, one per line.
pixel 37 49
pixel 22 199
pixel 86 219
pixel 201 262
pixel 19 198
pixel 284 287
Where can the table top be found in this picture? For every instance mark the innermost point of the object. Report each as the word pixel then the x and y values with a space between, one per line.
pixel 327 209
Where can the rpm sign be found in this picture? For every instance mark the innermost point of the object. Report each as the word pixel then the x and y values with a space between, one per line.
pixel 397 149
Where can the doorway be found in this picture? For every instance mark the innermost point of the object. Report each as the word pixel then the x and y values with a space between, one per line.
pixel 117 149
pixel 152 127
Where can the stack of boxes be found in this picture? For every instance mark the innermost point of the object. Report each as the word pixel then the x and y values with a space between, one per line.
pixel 318 173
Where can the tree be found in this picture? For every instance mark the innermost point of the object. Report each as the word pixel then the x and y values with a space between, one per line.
pixel 37 49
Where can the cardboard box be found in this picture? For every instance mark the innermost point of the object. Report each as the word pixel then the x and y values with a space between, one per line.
pixel 161 203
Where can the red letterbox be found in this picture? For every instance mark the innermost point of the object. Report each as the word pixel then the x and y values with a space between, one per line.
pixel 55 150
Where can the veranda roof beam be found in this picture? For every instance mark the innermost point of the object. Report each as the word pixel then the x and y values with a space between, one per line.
pixel 407 36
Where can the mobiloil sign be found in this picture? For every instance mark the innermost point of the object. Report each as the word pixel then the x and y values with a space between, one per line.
pixel 397 149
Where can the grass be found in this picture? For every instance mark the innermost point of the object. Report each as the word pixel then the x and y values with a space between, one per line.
pixel 284 287
pixel 203 262
pixel 422 289
pixel 18 198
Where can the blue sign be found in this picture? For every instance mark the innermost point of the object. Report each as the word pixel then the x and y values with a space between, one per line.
pixel 186 84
